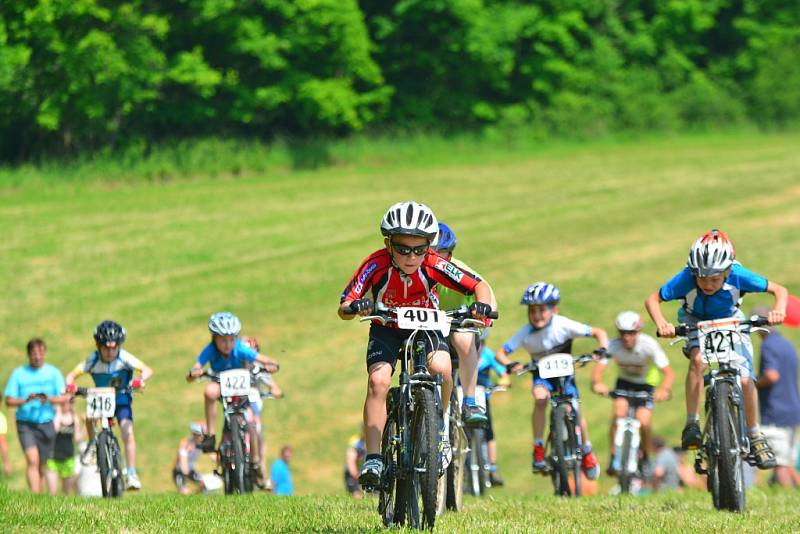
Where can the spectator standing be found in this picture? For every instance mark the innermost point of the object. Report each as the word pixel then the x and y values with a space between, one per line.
pixel 33 389
pixel 280 474
pixel 779 400
pixel 4 442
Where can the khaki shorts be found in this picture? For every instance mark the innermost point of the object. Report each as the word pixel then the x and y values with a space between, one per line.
pixel 782 441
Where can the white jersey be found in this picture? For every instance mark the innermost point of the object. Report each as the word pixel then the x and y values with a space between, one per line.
pixel 635 364
pixel 556 337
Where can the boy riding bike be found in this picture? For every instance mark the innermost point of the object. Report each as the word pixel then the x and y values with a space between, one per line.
pixel 112 366
pixel 634 353
pixel 404 273
pixel 465 343
pixel 547 333
pixel 226 351
pixel 712 286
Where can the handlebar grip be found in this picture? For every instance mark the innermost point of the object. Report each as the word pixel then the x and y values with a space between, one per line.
pixel 682 330
pixel 759 320
pixel 493 315
pixel 81 392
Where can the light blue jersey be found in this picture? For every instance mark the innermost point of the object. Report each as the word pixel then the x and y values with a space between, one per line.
pixel 25 380
pixel 240 356
pixel 117 373
pixel 723 303
pixel 487 363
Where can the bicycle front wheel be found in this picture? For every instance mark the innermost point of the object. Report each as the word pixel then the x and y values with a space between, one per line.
pixel 239 464
pixel 730 465
pixel 105 464
pixel 625 455
pixel 424 475
pixel 117 484
pixel 558 441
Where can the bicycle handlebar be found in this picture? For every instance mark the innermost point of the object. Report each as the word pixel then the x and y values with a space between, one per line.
pixel 683 329
pixel 460 316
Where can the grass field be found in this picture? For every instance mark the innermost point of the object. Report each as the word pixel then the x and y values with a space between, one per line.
pixel 606 222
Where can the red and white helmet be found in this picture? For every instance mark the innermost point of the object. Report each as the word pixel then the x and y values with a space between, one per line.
pixel 410 218
pixel 628 321
pixel 711 254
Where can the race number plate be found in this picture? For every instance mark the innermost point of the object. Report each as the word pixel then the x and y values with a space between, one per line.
pixel 423 319
pixel 556 365
pixel 100 402
pixel 718 339
pixel 234 383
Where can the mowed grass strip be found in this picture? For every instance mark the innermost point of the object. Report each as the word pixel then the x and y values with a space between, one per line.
pixel 607 223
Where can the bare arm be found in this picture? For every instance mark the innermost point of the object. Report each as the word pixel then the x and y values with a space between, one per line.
pixel 351 458
pixel 653 306
pixel 778 313
pixel 597 379
pixel 665 388
pixel 767 378
pixel 600 335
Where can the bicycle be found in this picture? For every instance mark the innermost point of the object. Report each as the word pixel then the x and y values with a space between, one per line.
pixel 233 454
pixel 627 438
pixel 409 444
pixel 450 492
pixel 565 444
pixel 725 445
pixel 101 406
pixel 477 468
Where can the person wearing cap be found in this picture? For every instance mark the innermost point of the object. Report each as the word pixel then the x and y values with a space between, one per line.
pixel 635 354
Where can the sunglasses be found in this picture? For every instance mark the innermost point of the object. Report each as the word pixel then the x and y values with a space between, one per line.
pixel 405 250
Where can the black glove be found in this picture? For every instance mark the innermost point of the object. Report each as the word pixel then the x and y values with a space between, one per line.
pixel 510 366
pixel 480 309
pixel 601 352
pixel 360 305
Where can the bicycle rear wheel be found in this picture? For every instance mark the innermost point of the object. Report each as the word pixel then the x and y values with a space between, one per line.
pixel 730 465
pixel 574 453
pixel 421 497
pixel 388 500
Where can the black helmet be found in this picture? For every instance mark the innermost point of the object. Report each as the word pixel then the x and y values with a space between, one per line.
pixel 109 332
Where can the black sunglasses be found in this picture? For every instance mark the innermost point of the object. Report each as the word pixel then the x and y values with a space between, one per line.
pixel 405 250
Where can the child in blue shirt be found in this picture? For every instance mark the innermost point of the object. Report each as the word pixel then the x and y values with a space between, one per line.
pixel 712 286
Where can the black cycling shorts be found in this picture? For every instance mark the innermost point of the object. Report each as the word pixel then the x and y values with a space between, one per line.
pixel 633 386
pixel 385 342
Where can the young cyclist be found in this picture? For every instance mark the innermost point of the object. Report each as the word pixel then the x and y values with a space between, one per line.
pixel 404 273
pixel 712 286
pixel 487 362
pixel 226 351
pixel 547 333
pixel 188 453
pixel 635 354
pixel 112 366
pixel 465 343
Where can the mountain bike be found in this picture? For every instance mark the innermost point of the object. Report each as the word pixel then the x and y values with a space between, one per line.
pixel 725 446
pixel 477 467
pixel 565 444
pixel 409 444
pixel 101 404
pixel 627 438
pixel 233 454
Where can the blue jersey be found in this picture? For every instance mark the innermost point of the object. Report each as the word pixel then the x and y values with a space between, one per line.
pixel 723 303
pixel 117 373
pixel 25 380
pixel 487 363
pixel 239 358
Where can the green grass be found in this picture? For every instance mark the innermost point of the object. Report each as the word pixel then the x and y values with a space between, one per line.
pixel 686 512
pixel 607 222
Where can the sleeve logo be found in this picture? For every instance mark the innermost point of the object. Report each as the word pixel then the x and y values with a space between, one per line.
pixel 364 275
pixel 451 270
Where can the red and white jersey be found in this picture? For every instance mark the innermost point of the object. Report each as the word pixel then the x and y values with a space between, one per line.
pixel 390 286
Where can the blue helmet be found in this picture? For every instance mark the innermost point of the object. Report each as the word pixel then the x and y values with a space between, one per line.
pixel 447 239
pixel 541 293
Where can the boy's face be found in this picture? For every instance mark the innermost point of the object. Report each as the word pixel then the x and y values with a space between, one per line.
pixel 109 352
pixel 412 261
pixel 711 284
pixel 36 356
pixel 224 344
pixel 540 314
pixel 628 338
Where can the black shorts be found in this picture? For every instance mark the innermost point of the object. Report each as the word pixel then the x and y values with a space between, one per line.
pixel 39 435
pixel 633 386
pixel 350 483
pixel 181 479
pixel 385 342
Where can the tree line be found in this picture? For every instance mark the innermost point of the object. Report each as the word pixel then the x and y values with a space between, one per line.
pixel 81 75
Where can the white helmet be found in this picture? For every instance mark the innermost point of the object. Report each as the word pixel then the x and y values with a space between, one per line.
pixel 711 254
pixel 628 321
pixel 224 324
pixel 410 218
